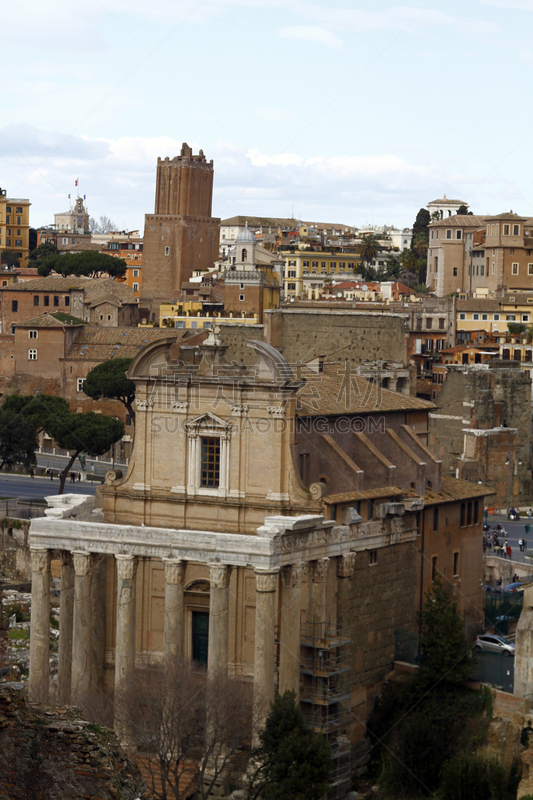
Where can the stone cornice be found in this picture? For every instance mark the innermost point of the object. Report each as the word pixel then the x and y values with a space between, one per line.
pixel 279 542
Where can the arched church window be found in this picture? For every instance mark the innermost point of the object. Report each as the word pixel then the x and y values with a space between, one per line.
pixel 244 254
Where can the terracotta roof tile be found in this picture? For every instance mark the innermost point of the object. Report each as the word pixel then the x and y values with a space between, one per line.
pixel 340 390
pixel 95 343
pixel 57 319
pixel 454 489
pixel 368 494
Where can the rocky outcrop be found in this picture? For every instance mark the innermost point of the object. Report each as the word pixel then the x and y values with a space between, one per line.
pixel 51 753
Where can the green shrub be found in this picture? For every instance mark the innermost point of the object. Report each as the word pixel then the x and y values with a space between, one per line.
pixel 475 777
pixel 16 609
pixel 18 635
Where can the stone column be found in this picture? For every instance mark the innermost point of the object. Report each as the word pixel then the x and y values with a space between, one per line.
pixel 265 621
pixel 98 601
pixel 316 594
pixel 125 634
pixel 174 606
pixel 39 680
pixel 82 660
pixel 345 570
pixel 289 645
pixel 217 658
pixel 66 626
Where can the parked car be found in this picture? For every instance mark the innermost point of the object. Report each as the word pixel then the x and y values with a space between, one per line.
pixel 513 587
pixel 490 643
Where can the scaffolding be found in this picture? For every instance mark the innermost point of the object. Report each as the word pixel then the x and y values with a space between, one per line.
pixel 325 693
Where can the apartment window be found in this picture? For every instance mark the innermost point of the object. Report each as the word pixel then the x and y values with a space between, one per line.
pixel 18 232
pixel 291 287
pixel 135 287
pixel 210 462
pixel 456 564
pixel 484 316
pixel 241 297
pixel 18 242
pixel 292 273
pixel 64 241
pixel 475 316
pixel 32 355
pixel 128 420
pixel 19 220
pixel 448 234
pixel 46 300
pixel 440 377
pixel 458 234
pixel 516 230
pixel 306 264
pixel 441 323
pixel 113 246
pixel 429 322
pixel 8 209
pixel 434 395
pixel 462 316
pixel 525 317
pixel 455 272
pixel 8 220
pixel 18 209
pixel 14 305
pixel 434 377
pixel 372 557
pixel 56 300
pixel 483 269
pixel 514 268
pixel 530 269
pixel 79 384
pixel 342 264
pixel 323 265
pixel 493 267
pixel 32 334
pixel 292 263
pixel 434 567
pixel 510 317
pixel 167 250
pixel 36 300
pixel 135 273
pixel 67 300
pixel 506 230
pixel 436 234
pixel 8 242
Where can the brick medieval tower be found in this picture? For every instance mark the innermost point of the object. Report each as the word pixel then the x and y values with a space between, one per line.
pixel 181 236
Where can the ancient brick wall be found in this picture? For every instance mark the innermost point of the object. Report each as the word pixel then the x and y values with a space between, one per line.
pixel 302 335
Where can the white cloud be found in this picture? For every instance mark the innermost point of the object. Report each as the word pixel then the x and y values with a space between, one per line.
pixel 311 34
pixel 118 176
pixel 525 5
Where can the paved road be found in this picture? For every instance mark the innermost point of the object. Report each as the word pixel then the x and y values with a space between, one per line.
pixel 515 530
pixel 32 488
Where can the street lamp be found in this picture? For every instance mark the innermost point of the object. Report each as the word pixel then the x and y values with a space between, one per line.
pixel 508 463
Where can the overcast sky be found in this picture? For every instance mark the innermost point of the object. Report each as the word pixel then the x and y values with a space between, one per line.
pixel 346 111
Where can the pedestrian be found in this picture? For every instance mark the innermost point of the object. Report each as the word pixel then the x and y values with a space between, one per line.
pixel 32 474
pixel 489 545
pixel 499 582
pixel 530 513
pixel 520 544
pixel 79 477
pixel 509 552
pixel 51 475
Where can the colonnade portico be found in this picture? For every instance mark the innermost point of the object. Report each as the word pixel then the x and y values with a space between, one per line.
pixel 284 549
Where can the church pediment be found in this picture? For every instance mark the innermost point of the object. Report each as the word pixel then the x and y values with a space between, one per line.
pixel 208 424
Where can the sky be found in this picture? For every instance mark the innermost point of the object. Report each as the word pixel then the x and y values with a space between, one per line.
pixel 354 112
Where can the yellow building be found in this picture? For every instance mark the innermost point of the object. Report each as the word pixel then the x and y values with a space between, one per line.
pixel 306 271
pixel 15 226
pixel 133 277
pixel 494 316
pixel 189 315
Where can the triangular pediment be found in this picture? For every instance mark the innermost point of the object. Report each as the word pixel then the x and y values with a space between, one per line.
pixel 208 422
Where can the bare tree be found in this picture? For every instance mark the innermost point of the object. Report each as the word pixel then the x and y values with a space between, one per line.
pixel 102 225
pixel 189 731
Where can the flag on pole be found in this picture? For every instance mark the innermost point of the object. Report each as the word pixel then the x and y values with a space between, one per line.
pixel 76 182
pixel 84 196
pixel 69 197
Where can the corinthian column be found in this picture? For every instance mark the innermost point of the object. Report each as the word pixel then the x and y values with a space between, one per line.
pixel 66 625
pixel 174 578
pixel 217 656
pixel 39 680
pixel 289 647
pixel 265 621
pixel 82 660
pixel 125 635
pixel 345 570
pixel 316 598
